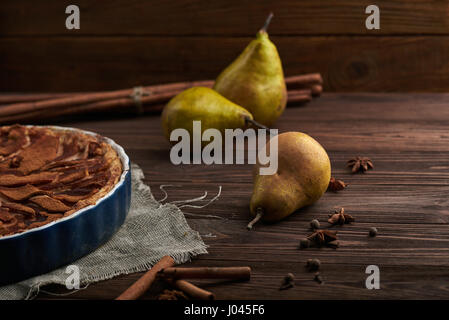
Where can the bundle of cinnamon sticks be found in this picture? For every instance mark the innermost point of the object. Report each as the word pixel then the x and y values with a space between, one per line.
pixel 43 107
pixel 175 276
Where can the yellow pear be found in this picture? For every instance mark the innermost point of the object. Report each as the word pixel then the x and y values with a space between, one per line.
pixel 205 105
pixel 255 80
pixel 302 177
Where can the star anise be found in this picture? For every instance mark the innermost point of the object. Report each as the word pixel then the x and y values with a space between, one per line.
pixel 336 185
pixel 362 164
pixel 340 217
pixel 324 238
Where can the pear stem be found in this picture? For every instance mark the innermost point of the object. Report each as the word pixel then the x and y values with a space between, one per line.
pixel 267 22
pixel 256 124
pixel 258 216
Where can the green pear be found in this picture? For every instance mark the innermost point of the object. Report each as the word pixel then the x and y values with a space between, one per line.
pixel 205 105
pixel 302 177
pixel 255 80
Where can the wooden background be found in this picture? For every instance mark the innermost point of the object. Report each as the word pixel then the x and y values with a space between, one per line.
pixel 405 197
pixel 128 43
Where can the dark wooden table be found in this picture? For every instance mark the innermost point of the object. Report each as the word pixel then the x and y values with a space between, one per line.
pixel 406 197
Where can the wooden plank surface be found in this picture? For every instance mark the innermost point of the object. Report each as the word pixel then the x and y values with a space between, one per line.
pixel 129 43
pixel 347 63
pixel 405 197
pixel 222 17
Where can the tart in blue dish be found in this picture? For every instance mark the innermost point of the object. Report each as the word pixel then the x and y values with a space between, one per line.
pixel 63 192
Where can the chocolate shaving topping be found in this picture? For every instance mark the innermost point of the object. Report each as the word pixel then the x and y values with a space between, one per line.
pixel 35 179
pixel 7 219
pixel 50 204
pixel 72 198
pixel 42 151
pixel 75 176
pixel 5 215
pixel 46 174
pixel 15 161
pixel 20 208
pixel 20 193
pixel 12 139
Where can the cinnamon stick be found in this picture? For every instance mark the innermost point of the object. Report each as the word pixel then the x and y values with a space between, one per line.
pixel 304 80
pixel 299 92
pixel 143 284
pixel 235 273
pixel 119 104
pixel 193 291
pixel 150 104
pixel 151 92
pixel 25 102
pixel 130 100
pixel 299 96
pixel 29 97
pixel 123 105
pixel 316 89
pixel 160 99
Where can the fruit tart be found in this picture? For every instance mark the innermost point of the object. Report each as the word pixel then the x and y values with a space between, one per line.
pixel 48 173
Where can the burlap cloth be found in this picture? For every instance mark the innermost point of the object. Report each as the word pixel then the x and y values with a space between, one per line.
pixel 150 231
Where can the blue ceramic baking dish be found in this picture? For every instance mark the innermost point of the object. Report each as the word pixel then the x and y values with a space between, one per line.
pixel 63 241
